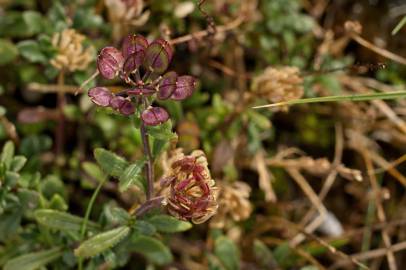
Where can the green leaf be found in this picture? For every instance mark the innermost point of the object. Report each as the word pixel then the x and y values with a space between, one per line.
pixel 28 199
pixel 61 221
pixel 9 224
pixel 153 249
pixel 263 255
pixel 18 163
pixel 227 252
pixel 158 146
pixel 111 163
pixel 8 52
pixel 93 170
pixel 144 227
pixel 34 21
pixel 7 154
pixel 101 242
pixel 399 26
pixel 131 176
pixel 162 132
pixel 31 50
pixel 32 261
pixel 359 97
pixel 116 215
pixel 169 224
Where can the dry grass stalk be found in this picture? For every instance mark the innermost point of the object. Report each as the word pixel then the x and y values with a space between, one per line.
pixel 330 179
pixel 265 177
pixel 354 30
pixel 379 208
pixel 314 199
pixel 372 254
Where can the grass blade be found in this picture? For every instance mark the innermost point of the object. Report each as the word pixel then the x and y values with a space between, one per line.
pixel 360 97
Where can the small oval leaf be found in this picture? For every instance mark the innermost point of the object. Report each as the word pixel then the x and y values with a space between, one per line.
pixel 169 224
pixel 152 249
pixel 227 251
pixel 33 261
pixel 101 242
pixel 61 221
pixel 131 176
pixel 111 163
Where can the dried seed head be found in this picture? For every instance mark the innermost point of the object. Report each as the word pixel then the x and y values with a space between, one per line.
pixel 109 62
pixel 71 55
pixel 154 116
pixel 192 192
pixel 234 204
pixel 279 84
pixel 100 96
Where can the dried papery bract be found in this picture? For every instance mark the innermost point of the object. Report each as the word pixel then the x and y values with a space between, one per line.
pixel 279 84
pixel 192 193
pixel 234 204
pixel 71 54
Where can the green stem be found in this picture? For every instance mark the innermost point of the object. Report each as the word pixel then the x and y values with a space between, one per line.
pixel 358 97
pixel 87 215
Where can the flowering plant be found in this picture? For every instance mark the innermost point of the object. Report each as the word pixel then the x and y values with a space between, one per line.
pixel 140 64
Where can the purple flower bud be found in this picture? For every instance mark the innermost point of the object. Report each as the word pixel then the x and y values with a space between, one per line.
pixel 146 90
pixel 123 105
pixel 133 44
pixel 185 85
pixel 109 62
pixel 167 85
pixel 154 116
pixel 158 56
pixel 133 61
pixel 100 96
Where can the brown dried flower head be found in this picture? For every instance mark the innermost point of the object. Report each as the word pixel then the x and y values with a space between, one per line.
pixel 124 15
pixel 279 84
pixel 72 55
pixel 234 204
pixel 191 193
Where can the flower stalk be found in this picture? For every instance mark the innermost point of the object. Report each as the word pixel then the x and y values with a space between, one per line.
pixel 150 165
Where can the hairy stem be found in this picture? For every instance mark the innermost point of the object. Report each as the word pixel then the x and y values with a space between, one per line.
pixel 150 168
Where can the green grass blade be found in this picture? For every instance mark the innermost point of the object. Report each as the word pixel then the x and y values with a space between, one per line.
pixel 399 26
pixel 360 97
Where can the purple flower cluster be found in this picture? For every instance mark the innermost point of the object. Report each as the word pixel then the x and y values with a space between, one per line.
pixel 141 65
